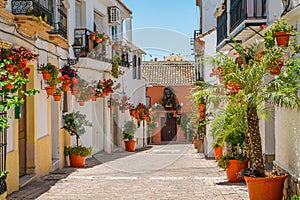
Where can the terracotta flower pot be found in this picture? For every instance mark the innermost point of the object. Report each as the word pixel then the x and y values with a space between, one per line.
pixel 8 86
pixel 77 161
pixel 233 168
pixel 130 145
pixel 92 36
pixel 265 188
pixel 195 143
pixel 282 38
pixel 74 90
pixel 218 152
pixel 81 103
pixel 98 40
pixel 94 98
pixel 111 107
pixel 50 90
pixel 66 87
pixel 46 76
pixel 201 107
pixel 56 97
pixel 199 145
pixel 123 111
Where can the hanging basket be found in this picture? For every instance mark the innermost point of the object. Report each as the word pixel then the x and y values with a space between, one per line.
pixel 50 90
pixel 46 76
pixel 56 97
pixel 282 38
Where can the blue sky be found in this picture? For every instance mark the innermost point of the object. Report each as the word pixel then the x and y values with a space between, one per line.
pixel 161 27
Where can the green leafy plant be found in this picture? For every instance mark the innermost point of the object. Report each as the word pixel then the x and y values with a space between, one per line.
pixel 115 67
pixel 78 150
pixel 129 130
pixel 280 25
pixel 3 173
pixel 75 124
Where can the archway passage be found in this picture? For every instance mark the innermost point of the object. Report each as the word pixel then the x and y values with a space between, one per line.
pixel 169 130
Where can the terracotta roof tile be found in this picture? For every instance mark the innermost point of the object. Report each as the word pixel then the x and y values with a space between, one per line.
pixel 170 73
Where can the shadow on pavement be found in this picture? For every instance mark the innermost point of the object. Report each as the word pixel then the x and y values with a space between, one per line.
pixel 225 183
pixel 36 188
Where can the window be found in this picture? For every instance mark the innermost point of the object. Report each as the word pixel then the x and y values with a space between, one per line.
pixel 78 15
pixel 134 67
pixel 114 33
pixel 139 69
pixel 99 22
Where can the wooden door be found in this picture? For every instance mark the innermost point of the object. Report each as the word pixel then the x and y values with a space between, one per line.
pixel 169 130
pixel 22 143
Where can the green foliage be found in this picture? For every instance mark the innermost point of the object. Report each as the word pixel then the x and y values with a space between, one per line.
pixel 129 130
pixel 115 67
pixel 78 150
pixel 280 25
pixel 224 159
pixel 3 173
pixel 75 123
pixel 296 197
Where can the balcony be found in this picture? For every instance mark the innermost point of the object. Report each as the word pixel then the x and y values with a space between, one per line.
pixel 32 17
pixel 88 48
pixel 246 16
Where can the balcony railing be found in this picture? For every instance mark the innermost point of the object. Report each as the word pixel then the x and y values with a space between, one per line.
pixel 34 7
pixel 221 27
pixel 241 10
pixel 98 51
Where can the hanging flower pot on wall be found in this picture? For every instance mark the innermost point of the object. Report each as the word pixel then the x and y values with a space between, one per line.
pixel 282 38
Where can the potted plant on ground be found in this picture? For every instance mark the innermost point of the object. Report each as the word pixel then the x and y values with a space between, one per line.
pixel 75 124
pixel 128 135
pixel 233 136
pixel 254 91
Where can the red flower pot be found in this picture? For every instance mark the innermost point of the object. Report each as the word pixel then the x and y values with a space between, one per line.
pixel 98 40
pixel 50 89
pixel 233 168
pixel 282 38
pixel 46 76
pixel 130 145
pixel 77 161
pixel 56 97
pixel 265 188
pixel 218 152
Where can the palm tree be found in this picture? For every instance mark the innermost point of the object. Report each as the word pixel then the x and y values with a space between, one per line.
pixel 247 73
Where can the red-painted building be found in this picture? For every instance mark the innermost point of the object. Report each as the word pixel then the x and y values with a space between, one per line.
pixel 169 87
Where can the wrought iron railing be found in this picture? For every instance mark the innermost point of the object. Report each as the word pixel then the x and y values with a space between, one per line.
pixel 62 21
pixel 34 7
pixel 98 51
pixel 221 27
pixel 62 30
pixel 246 9
pixel 3 146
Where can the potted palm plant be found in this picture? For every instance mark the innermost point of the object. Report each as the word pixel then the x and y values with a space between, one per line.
pixel 233 132
pixel 254 90
pixel 75 124
pixel 128 135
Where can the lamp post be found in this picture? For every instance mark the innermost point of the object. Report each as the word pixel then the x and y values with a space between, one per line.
pixel 76 50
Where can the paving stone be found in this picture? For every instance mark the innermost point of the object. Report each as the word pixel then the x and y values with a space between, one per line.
pixel 173 171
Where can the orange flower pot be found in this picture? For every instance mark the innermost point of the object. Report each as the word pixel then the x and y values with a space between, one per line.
pixel 282 38
pixel 218 152
pixel 81 103
pixel 56 97
pixel 111 107
pixel 46 76
pixel 265 188
pixel 123 111
pixel 8 86
pixel 74 90
pixel 94 98
pixel 92 36
pixel 201 107
pixel 130 145
pixel 195 143
pixel 66 87
pixel 77 161
pixel 98 40
pixel 50 90
pixel 232 170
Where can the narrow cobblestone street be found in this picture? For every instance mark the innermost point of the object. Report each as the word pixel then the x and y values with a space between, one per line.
pixel 172 171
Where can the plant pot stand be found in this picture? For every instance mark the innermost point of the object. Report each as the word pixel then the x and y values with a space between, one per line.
pixel 265 188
